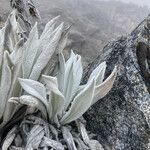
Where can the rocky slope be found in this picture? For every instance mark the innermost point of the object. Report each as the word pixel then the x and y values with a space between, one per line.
pixel 94 22
pixel 122 118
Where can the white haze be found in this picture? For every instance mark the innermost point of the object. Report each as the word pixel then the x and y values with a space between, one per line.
pixel 137 2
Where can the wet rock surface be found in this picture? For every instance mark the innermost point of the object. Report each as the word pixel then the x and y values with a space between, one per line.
pixel 122 118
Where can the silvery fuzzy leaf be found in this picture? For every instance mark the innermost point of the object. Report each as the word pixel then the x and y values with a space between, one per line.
pixel 2 32
pixel 9 138
pixel 16 55
pixel 5 41
pixel 30 51
pixel 9 33
pixel 98 73
pixel 16 148
pixel 45 41
pixel 54 132
pixel 46 54
pixel 68 66
pixel 53 64
pixel 25 25
pixel 61 72
pixel 95 145
pixel 52 84
pixel 46 38
pixel 68 138
pixel 49 28
pixel 80 104
pixel 102 89
pixel 35 137
pixel 14 31
pixel 73 75
pixel 51 67
pixel 83 132
pixel 63 41
pixel 9 112
pixel 34 88
pixel 80 144
pixel 31 102
pixel 57 99
pixel 51 143
pixel 15 89
pixel 5 83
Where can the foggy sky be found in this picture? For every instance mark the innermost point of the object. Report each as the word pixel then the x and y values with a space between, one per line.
pixel 138 2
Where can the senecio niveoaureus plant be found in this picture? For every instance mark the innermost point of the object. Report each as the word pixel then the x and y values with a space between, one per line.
pixel 28 78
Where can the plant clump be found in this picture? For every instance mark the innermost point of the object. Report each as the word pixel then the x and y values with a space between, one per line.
pixel 41 95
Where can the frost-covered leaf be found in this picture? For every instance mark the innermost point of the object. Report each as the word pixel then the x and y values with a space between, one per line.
pixel 34 88
pixel 31 102
pixel 49 28
pixel 57 99
pixel 9 112
pixel 102 89
pixel 80 144
pixel 35 137
pixel 5 83
pixel 9 138
pixel 2 33
pixel 84 133
pixel 16 55
pixel 61 72
pixel 30 51
pixel 98 73
pixel 63 41
pixel 51 143
pixel 15 89
pixel 73 75
pixel 46 54
pixel 12 32
pixel 68 138
pixel 80 103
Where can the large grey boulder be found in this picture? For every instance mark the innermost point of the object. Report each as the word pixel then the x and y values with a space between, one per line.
pixel 122 119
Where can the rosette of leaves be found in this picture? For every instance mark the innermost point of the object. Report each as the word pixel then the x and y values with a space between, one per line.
pixel 24 59
pixel 61 100
pixel 35 74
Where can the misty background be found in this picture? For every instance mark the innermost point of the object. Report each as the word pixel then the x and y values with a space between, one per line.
pixel 138 2
pixel 94 22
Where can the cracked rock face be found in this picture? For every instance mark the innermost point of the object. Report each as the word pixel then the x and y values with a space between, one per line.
pixel 122 118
